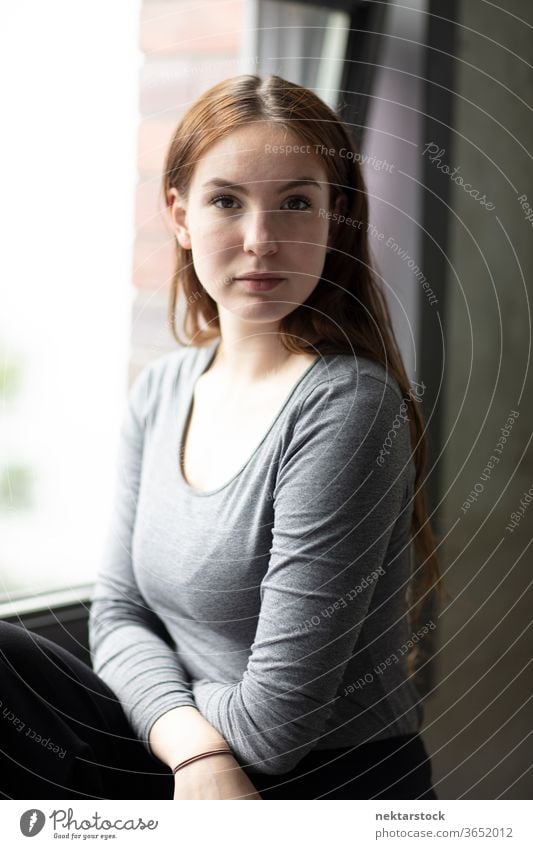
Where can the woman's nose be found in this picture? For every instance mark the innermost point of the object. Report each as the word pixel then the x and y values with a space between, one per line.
pixel 261 232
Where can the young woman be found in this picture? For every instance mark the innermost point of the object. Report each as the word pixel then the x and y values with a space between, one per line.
pixel 250 626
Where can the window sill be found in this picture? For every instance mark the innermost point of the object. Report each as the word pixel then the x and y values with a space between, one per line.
pixel 60 616
pixel 45 602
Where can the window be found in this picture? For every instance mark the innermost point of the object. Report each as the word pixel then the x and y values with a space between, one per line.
pixel 68 182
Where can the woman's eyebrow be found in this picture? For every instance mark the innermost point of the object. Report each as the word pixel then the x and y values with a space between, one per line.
pixel 220 182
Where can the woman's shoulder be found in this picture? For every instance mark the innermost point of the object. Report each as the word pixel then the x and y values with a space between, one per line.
pixel 351 410
pixel 352 376
pixel 352 399
pixel 160 375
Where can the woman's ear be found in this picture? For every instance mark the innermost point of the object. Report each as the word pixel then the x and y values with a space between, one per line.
pixel 177 211
pixel 339 209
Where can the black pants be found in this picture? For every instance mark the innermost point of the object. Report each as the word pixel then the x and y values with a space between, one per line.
pixel 397 768
pixel 64 735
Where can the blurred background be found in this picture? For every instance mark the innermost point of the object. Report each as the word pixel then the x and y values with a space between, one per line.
pixel 432 92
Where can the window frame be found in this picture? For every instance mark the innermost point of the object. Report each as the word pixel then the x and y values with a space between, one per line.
pixel 62 615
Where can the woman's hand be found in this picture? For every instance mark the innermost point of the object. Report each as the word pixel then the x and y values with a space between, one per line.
pixel 214 777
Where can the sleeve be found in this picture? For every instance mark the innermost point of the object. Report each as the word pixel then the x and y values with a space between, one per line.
pixel 335 508
pixel 126 638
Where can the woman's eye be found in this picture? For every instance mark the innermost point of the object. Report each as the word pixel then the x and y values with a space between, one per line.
pixel 222 197
pixel 299 200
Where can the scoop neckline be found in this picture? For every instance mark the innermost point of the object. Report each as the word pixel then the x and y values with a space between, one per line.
pixel 205 362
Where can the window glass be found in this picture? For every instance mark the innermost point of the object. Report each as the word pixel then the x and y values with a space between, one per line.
pixel 69 100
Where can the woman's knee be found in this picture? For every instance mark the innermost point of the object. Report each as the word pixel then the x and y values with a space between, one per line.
pixel 22 650
pixel 13 639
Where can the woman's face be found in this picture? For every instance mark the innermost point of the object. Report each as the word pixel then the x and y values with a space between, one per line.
pixel 242 216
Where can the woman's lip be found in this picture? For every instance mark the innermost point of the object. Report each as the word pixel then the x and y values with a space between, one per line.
pixel 253 284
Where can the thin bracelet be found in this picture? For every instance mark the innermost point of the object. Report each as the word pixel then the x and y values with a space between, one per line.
pixel 224 751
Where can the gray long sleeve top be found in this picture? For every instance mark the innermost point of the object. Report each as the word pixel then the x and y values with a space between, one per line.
pixel 275 604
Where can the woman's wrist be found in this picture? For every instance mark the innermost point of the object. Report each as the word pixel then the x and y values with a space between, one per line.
pixel 223 750
pixel 208 765
pixel 181 733
pixel 216 777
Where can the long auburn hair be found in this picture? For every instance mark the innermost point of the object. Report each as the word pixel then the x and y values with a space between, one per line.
pixel 343 318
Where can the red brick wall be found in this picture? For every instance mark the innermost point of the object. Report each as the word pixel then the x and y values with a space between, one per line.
pixel 187 47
